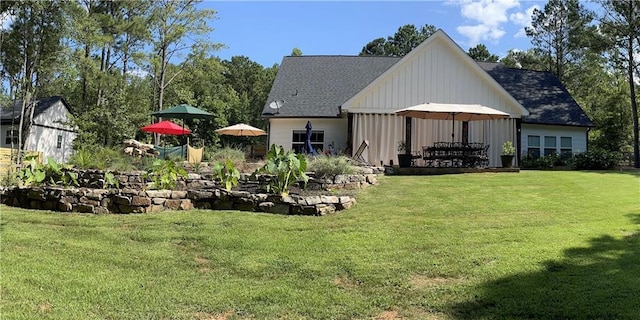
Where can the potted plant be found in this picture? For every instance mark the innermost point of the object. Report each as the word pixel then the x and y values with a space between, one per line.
pixel 508 152
pixel 404 156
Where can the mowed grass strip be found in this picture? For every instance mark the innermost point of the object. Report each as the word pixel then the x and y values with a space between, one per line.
pixel 534 244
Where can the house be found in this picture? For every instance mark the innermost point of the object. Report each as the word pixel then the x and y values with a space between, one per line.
pixel 349 99
pixel 50 132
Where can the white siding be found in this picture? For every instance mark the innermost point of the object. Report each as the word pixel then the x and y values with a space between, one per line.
pixel 437 73
pixel 44 133
pixel 578 136
pixel 335 131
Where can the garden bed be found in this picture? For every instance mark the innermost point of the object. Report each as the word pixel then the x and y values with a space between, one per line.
pixel 319 197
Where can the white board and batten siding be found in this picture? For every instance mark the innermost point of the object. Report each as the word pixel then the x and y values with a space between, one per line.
pixel 436 71
pixel 578 136
pixel 49 134
pixel 335 131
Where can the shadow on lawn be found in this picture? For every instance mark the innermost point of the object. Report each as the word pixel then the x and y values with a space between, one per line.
pixel 601 281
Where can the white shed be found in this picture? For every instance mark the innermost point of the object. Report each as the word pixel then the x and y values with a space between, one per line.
pixel 50 131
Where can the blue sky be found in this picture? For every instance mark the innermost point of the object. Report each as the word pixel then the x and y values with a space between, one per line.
pixel 265 31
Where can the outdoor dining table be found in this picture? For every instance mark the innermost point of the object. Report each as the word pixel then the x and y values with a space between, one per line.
pixel 455 154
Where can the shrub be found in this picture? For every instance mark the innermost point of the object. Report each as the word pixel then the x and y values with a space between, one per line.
pixel 285 169
pixel 594 160
pixel 330 166
pixel 544 162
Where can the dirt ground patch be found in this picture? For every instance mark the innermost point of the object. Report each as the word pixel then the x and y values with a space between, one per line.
pixel 421 281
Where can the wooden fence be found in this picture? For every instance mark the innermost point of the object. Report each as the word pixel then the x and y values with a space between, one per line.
pixel 6 156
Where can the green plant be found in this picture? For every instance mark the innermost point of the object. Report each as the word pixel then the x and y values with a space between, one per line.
pixel 285 169
pixel 330 166
pixel 508 149
pixel 402 146
pixel 109 180
pixel 10 178
pixel 83 158
pixel 164 174
pixel 227 173
pixel 34 174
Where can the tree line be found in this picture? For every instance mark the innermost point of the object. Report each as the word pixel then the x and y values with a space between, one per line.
pixel 118 61
pixel 115 62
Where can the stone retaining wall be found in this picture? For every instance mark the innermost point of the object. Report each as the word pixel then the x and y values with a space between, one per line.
pixel 124 201
pixel 136 180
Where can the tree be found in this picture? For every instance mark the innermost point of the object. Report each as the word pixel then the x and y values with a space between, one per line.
pixel 528 59
pixel 31 52
pixel 621 25
pixel 253 81
pixel 481 53
pixel 401 43
pixel 296 52
pixel 562 33
pixel 176 25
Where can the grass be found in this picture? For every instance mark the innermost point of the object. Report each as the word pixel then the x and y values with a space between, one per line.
pixel 533 245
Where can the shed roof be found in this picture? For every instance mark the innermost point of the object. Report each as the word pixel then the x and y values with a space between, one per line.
pixel 13 110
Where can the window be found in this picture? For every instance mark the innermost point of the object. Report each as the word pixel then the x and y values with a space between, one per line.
pixel 12 135
pixel 59 144
pixel 550 145
pixel 533 146
pixel 566 147
pixel 300 136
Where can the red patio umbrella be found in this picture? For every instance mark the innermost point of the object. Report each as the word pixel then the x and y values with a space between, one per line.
pixel 166 127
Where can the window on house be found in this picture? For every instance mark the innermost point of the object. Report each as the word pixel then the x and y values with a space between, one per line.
pixel 533 146
pixel 12 135
pixel 566 147
pixel 300 136
pixel 59 144
pixel 550 145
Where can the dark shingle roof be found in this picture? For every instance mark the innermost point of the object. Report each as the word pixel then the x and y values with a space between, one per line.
pixel 542 93
pixel 13 109
pixel 316 86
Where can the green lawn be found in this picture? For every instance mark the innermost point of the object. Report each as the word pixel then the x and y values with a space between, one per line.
pixel 534 245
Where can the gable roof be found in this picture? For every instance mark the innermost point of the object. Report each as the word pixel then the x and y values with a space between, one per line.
pixel 12 110
pixel 441 36
pixel 542 93
pixel 316 86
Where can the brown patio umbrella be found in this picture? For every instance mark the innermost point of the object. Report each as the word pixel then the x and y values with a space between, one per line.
pixel 241 130
pixel 453 112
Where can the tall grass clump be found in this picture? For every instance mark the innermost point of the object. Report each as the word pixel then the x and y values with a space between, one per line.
pixel 221 155
pixel 330 166
pixel 102 158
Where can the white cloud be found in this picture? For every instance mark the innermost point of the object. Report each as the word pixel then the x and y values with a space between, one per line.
pixel 489 15
pixel 6 20
pixel 523 19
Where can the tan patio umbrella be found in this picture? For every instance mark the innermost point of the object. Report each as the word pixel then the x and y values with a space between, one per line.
pixel 453 112
pixel 241 130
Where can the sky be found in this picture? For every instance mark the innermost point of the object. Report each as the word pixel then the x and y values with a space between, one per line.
pixel 266 31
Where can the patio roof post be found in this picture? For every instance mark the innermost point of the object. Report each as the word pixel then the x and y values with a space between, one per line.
pixel 407 134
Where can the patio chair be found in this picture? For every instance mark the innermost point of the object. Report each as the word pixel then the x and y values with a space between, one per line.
pixel 358 155
pixel 484 156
